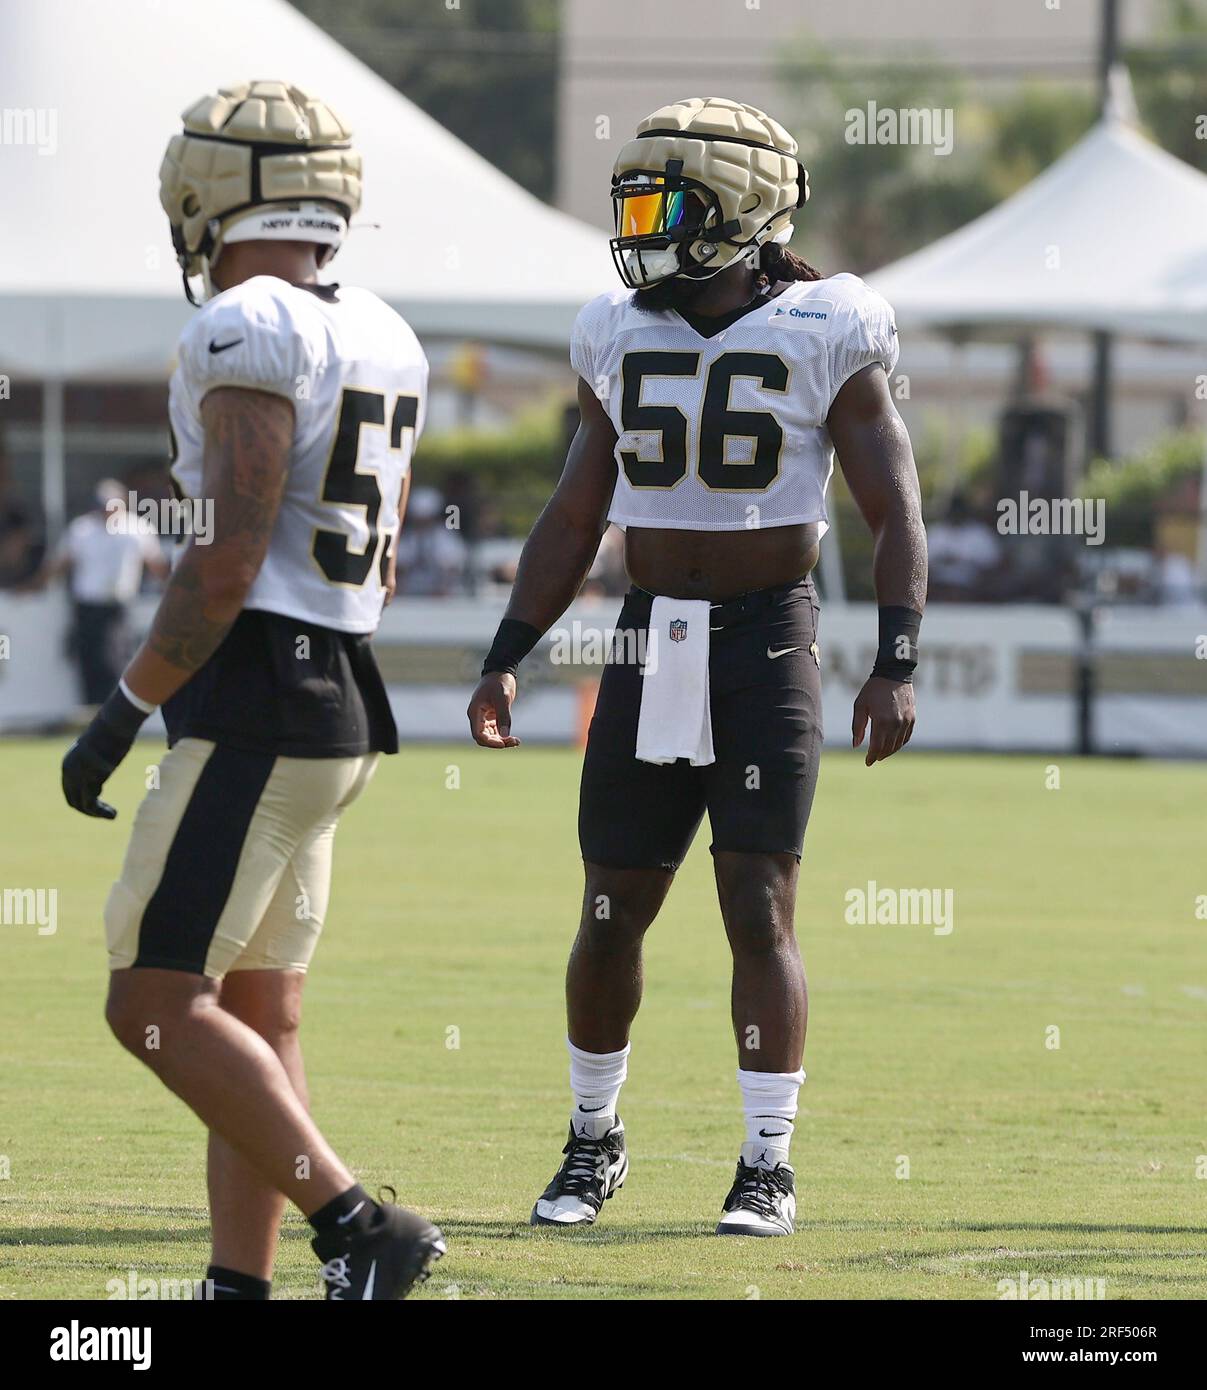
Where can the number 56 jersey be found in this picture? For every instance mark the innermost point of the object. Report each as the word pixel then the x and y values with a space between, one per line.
pixel 728 432
pixel 357 378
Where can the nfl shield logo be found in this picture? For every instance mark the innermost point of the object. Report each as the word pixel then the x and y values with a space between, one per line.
pixel 678 629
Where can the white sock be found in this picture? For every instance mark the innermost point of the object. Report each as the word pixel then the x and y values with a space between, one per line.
pixel 769 1105
pixel 595 1080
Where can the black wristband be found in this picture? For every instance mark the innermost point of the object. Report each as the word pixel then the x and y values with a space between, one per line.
pixel 897 654
pixel 513 641
pixel 116 726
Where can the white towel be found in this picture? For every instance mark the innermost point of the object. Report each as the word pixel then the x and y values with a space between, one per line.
pixel 676 719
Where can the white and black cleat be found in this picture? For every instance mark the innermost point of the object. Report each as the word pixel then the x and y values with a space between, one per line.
pixel 383 1263
pixel 594 1168
pixel 762 1200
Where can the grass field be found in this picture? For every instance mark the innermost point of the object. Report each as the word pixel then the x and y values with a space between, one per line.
pixel 454 909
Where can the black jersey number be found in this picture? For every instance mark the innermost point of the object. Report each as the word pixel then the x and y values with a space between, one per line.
pixel 349 486
pixel 718 423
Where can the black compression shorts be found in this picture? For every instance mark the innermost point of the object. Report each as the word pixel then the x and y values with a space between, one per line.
pixel 765 689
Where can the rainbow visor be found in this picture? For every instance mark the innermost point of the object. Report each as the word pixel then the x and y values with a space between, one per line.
pixel 648 207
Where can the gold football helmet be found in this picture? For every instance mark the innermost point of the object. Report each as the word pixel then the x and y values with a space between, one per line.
pixel 259 160
pixel 704 182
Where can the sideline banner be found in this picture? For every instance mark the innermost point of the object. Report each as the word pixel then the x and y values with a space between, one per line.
pixel 998 678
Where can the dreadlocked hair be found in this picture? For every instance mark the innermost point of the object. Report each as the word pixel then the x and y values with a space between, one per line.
pixel 778 263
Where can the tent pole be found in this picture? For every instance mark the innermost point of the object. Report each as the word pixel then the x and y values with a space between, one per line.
pixel 1108 50
pixel 1099 442
pixel 1201 546
pixel 54 465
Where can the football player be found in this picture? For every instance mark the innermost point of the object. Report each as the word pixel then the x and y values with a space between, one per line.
pixel 295 407
pixel 714 390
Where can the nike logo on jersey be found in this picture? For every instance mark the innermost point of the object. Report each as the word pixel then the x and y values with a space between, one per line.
pixel 774 656
pixel 216 347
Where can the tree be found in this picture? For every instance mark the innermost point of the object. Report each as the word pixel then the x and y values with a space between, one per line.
pixel 486 71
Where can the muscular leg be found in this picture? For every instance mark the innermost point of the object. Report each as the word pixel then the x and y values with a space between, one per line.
pixel 245 1210
pixel 604 977
pixel 229 1076
pixel 769 1000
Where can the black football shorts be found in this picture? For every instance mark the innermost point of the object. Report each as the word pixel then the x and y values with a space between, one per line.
pixel 765 691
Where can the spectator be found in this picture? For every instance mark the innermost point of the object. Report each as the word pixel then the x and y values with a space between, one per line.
pixel 965 555
pixel 431 556
pixel 18 551
pixel 103 554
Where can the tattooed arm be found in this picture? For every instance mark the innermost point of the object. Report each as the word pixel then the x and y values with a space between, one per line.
pixel 245 464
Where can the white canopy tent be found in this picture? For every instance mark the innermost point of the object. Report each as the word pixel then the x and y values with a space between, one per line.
pixel 89 286
pixel 88 283
pixel 1111 238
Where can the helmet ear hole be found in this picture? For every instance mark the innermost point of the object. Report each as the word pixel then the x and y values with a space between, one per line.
pixel 190 205
pixel 750 205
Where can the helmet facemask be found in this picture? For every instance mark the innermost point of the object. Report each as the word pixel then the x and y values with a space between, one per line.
pixel 666 225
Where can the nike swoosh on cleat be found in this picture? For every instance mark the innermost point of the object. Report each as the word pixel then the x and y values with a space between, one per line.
pixel 368 1293
pixel 772 656
pixel 343 1220
pixel 216 347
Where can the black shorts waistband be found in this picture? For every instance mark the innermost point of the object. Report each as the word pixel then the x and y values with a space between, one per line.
pixel 741 605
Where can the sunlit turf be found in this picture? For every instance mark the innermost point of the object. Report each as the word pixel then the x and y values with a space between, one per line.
pixel 434 1037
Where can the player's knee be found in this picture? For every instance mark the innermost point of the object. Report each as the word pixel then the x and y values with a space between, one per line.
pixel 278 1022
pixel 141 1010
pixel 269 1002
pixel 759 911
pixel 760 933
pixel 617 911
pixel 131 1021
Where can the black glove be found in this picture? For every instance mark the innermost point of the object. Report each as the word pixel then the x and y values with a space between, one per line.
pixel 98 750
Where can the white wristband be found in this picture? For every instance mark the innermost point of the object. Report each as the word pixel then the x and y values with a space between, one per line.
pixel 134 699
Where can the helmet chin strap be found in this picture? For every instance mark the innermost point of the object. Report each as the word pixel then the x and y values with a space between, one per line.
pixel 210 289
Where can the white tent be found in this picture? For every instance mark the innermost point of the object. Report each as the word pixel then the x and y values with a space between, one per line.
pixel 1112 238
pixel 91 92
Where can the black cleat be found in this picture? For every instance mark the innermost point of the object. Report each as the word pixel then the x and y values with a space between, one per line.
pixel 383 1263
pixel 593 1169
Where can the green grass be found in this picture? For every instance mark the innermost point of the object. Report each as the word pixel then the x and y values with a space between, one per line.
pixel 454 909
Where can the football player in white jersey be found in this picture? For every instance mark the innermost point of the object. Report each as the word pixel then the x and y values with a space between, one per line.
pixel 714 390
pixel 294 407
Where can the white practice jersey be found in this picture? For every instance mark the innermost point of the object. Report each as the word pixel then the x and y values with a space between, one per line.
pixel 357 378
pixel 729 433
